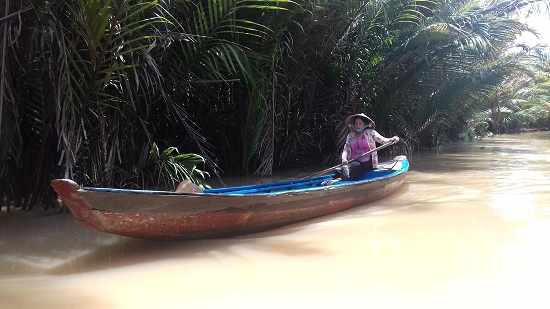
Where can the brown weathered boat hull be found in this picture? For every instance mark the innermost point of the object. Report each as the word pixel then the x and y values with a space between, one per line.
pixel 202 216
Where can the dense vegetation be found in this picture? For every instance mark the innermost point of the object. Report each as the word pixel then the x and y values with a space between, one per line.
pixel 138 93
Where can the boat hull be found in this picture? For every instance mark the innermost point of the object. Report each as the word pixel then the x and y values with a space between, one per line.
pixel 187 216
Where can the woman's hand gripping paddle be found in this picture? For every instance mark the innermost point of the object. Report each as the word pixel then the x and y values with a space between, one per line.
pixel 354 159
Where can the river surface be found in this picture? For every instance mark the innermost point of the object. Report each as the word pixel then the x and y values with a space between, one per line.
pixel 470 228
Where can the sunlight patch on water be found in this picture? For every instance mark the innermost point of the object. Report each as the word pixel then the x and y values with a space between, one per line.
pixel 513 206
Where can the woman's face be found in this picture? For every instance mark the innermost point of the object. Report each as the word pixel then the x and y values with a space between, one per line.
pixel 358 123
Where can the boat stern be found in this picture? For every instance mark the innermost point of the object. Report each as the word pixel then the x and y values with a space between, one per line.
pixel 67 191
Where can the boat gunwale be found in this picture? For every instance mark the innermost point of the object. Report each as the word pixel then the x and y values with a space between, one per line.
pixel 341 184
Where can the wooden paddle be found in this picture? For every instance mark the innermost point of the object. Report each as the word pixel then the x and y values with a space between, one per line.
pixel 354 159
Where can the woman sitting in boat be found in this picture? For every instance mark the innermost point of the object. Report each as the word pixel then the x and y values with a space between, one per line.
pixel 360 140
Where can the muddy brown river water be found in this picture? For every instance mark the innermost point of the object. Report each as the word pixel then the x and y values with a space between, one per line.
pixel 470 228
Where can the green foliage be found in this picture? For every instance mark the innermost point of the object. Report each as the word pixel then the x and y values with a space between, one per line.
pixel 248 85
pixel 164 170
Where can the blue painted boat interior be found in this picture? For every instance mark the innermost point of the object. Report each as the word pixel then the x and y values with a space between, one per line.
pixel 307 183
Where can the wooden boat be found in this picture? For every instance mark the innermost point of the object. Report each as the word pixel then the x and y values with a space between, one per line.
pixel 224 212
